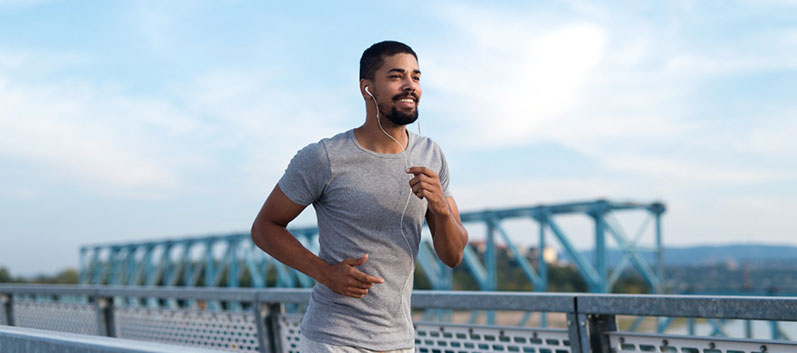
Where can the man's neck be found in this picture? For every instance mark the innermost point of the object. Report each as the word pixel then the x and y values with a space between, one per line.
pixel 371 137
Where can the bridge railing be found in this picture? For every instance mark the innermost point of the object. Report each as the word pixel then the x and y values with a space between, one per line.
pixel 267 320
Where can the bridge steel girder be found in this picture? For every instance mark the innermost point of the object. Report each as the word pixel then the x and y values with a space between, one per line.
pixel 188 261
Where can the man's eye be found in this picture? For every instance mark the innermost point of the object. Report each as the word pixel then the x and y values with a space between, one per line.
pixel 417 78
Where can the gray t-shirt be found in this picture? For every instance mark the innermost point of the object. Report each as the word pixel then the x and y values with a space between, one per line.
pixel 359 196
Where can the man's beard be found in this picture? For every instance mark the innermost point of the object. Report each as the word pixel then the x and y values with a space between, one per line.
pixel 398 118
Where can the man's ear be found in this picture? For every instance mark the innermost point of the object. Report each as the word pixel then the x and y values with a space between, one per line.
pixel 366 85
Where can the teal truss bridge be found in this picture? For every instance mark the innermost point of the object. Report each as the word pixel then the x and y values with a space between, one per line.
pixel 234 261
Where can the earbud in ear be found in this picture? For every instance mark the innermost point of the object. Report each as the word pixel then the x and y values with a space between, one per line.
pixel 369 93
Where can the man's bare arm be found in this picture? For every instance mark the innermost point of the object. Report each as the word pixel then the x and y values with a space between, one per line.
pixel 448 234
pixel 269 233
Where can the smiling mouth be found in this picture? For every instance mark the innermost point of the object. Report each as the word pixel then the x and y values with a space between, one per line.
pixel 407 100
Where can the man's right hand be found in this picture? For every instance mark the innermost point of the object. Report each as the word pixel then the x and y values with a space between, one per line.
pixel 344 279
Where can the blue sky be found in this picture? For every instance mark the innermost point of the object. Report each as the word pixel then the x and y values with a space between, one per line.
pixel 130 120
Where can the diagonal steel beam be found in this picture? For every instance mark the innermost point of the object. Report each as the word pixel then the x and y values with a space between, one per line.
pixel 619 235
pixel 528 270
pixel 587 271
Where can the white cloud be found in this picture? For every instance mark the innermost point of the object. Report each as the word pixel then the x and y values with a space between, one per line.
pixel 758 218
pixel 513 72
pixel 736 63
pixel 109 141
pixel 774 137
pixel 672 169
pixel 11 60
pixel 31 64
pixel 633 106
pixel 69 129
pixel 522 192
pixel 267 124
pixel 612 87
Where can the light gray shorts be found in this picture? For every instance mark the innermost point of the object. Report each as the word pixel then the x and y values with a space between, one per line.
pixel 307 345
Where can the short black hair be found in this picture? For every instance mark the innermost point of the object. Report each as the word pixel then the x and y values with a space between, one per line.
pixel 373 57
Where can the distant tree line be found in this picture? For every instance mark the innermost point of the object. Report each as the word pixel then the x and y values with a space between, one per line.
pixel 67 276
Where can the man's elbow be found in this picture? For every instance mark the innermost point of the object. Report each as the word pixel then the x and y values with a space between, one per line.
pixel 453 261
pixel 456 258
pixel 255 234
pixel 258 234
pixel 453 257
pixel 254 231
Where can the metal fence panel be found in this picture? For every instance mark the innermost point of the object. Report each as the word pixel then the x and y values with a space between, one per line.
pixel 431 337
pixel 228 331
pixel 63 317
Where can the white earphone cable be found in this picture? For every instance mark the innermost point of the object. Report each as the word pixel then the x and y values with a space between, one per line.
pixel 407 164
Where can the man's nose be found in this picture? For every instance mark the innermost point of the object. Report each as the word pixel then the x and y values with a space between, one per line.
pixel 409 85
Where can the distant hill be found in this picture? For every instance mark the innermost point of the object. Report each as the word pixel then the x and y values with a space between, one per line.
pixel 753 254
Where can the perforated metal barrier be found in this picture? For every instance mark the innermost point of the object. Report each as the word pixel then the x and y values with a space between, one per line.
pixel 290 334
pixel 54 316
pixel 433 337
pixel 634 342
pixel 228 331
pixel 453 338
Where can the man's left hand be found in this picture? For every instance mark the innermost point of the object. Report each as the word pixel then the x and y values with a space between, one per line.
pixel 426 184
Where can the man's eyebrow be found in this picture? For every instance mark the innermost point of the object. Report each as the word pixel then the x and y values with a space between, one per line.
pixel 417 72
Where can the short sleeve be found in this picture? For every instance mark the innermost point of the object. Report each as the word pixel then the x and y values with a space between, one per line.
pixel 443 174
pixel 307 175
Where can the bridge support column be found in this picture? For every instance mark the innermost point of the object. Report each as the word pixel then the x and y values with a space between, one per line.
pixel 577 330
pixel 8 302
pixel 275 310
pixel 658 209
pixel 598 326
pixel 260 324
pixel 105 319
